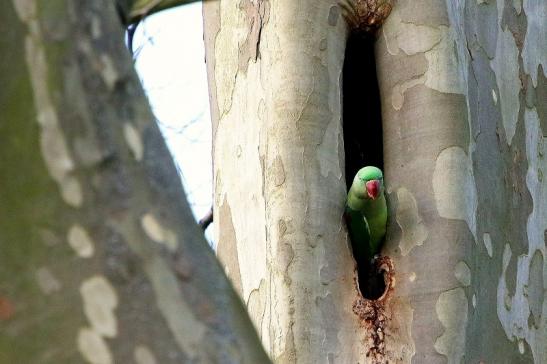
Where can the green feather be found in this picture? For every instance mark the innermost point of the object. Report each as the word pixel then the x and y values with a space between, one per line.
pixel 366 217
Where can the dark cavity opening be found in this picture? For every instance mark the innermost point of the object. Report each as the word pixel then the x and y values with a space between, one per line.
pixel 363 143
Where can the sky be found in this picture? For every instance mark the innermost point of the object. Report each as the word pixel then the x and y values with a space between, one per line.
pixel 170 60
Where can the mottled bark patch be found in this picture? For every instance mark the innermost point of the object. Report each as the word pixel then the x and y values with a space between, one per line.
pixel 257 304
pixel 452 310
pixel 329 314
pixel 454 186
pixel 227 246
pixel 506 68
pixel 278 172
pixel 143 355
pixel 80 241
pixel 211 28
pixel 414 231
pixel 424 12
pixel 257 14
pixel 285 256
pixel 399 332
pixel 289 353
pixel 100 301
pixel 487 240
pixel 334 13
pixel 108 71
pixel 535 289
pixel 133 140
pixel 540 93
pixel 463 273
pixel 187 329
pixel 328 274
pixel 435 44
pixel 53 144
pixel 158 233
pixel 93 347
pixel 47 281
pixel 533 51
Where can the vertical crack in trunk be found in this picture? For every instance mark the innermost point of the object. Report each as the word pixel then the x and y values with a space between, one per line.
pixel 363 144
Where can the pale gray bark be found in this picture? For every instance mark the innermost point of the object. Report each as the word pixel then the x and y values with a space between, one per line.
pixel 464 145
pixel 463 87
pixel 275 74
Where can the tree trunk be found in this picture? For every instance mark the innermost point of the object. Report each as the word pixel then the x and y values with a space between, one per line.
pixel 462 88
pixel 100 259
pixel 464 155
pixel 275 79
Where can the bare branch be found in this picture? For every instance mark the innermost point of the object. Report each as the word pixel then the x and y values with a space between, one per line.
pixel 131 28
pixel 131 11
pixel 206 220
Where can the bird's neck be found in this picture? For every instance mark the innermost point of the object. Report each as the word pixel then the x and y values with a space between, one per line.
pixel 373 206
pixel 355 203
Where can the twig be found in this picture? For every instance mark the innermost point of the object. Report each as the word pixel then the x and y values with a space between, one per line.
pixel 131 28
pixel 206 220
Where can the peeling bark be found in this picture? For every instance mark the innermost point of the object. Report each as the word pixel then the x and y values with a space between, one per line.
pixel 276 159
pixel 462 86
pixel 275 81
pixel 460 138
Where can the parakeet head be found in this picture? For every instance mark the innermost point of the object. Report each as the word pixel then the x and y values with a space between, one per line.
pixel 369 183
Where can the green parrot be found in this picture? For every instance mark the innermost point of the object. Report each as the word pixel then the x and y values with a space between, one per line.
pixel 366 213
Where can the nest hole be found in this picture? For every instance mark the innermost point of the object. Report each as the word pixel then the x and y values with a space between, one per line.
pixel 372 281
pixel 363 137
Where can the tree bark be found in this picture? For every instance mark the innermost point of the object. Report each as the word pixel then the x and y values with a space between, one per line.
pixel 464 155
pixel 100 258
pixel 462 85
pixel 275 78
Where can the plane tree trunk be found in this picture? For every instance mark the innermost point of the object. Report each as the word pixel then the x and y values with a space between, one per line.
pixel 464 114
pixel 275 72
pixel 462 90
pixel 100 258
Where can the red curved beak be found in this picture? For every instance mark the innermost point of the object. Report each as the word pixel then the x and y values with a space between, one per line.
pixel 373 188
